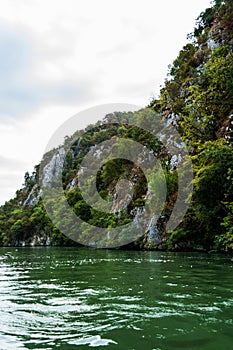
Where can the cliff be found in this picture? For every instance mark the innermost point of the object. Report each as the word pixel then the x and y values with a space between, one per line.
pixel 197 101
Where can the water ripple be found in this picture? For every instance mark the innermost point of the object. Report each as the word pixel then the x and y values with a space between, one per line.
pixel 113 299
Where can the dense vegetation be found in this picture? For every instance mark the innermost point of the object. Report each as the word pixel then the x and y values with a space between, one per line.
pixel 198 97
pixel 199 91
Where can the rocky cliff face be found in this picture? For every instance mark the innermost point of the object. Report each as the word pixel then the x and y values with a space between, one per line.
pixel 128 197
pixel 54 167
pixel 197 101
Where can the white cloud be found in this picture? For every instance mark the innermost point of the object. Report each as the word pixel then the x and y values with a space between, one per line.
pixel 59 57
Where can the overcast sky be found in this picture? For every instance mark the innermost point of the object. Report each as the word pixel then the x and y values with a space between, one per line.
pixel 58 57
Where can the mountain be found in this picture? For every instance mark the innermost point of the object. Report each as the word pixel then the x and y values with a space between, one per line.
pixel 197 101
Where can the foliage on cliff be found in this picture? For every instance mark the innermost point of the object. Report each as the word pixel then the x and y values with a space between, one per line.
pixel 198 97
pixel 199 92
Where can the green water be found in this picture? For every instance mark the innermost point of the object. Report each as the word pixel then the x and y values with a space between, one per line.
pixel 66 298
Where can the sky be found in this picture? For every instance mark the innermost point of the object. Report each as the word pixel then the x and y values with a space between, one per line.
pixel 59 57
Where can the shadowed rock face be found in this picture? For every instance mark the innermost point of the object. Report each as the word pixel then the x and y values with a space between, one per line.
pixel 155 235
pixel 33 196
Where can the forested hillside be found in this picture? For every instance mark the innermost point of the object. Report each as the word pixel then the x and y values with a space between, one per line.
pixel 197 98
pixel 199 95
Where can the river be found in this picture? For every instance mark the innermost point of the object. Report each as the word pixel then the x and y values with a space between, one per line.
pixel 69 298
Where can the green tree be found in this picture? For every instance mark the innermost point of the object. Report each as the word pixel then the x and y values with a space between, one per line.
pixel 211 187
